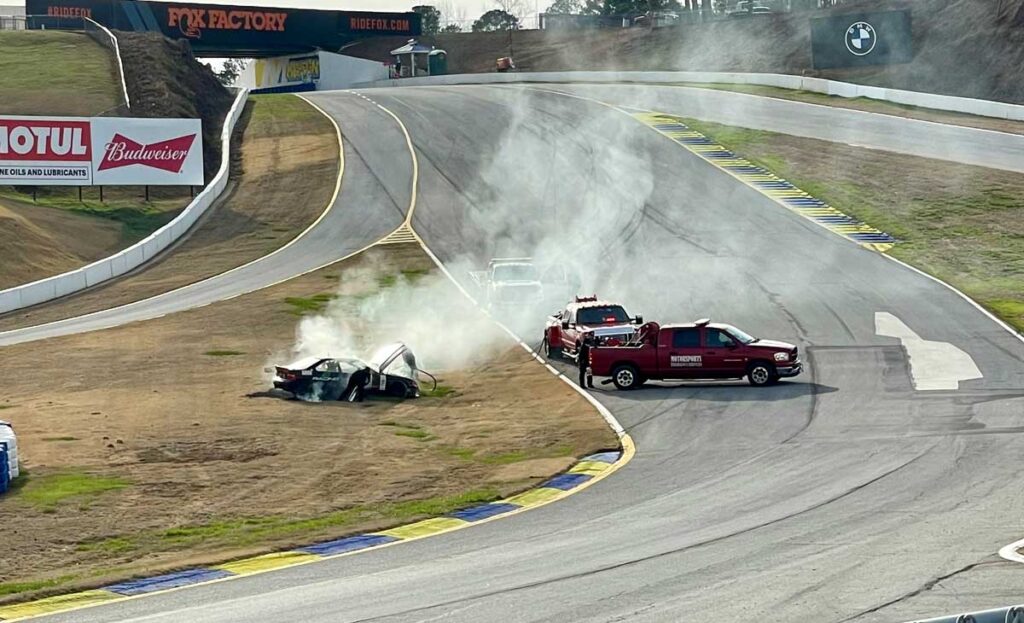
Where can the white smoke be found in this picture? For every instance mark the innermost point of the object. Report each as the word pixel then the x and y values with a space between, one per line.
pixel 378 306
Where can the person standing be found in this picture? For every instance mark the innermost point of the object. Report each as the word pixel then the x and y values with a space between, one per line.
pixel 583 361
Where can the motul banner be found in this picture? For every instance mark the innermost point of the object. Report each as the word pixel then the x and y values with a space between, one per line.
pixel 101 151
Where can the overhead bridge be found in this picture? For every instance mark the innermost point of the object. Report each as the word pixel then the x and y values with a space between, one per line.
pixel 230 30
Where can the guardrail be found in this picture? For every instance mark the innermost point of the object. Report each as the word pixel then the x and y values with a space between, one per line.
pixel 982 108
pixel 100 34
pixel 12 22
pixel 1012 614
pixel 120 263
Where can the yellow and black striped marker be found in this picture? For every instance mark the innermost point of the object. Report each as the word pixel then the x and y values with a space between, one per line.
pixel 767 183
pixel 586 472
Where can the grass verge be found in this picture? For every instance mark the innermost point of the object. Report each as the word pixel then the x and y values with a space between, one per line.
pixel 961 223
pixel 46 492
pixel 302 305
pixel 441 391
pixel 13 588
pixel 55 73
pixel 124 206
pixel 508 458
pixel 247 531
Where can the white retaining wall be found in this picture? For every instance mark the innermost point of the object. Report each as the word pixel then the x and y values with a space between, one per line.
pixel 983 108
pixel 116 49
pixel 140 252
pixel 338 71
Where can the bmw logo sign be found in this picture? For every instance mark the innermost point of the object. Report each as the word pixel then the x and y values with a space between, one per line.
pixel 861 38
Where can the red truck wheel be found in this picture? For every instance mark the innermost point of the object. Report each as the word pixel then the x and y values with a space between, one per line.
pixel 551 352
pixel 626 376
pixel 761 373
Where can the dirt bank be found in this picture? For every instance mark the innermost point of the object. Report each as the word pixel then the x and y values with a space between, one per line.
pixel 165 80
pixel 38 242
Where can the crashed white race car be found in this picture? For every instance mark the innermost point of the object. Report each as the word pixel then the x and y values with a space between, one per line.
pixel 390 371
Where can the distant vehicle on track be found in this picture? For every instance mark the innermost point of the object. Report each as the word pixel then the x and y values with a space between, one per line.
pixel 657 19
pixel 391 371
pixel 587 318
pixel 747 9
pixel 509 281
pixel 698 350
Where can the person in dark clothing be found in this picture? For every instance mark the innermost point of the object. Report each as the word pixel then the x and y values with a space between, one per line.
pixel 583 360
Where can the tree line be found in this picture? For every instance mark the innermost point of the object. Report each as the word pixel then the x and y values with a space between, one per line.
pixel 509 13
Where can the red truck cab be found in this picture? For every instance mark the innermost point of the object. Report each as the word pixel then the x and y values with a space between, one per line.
pixel 698 350
pixel 587 317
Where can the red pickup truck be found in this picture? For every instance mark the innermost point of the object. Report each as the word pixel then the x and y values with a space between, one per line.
pixel 698 350
pixel 587 317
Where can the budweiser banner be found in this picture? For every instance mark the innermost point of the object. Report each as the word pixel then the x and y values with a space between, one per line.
pixel 100 151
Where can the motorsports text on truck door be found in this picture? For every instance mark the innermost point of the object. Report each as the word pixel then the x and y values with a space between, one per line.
pixel 699 350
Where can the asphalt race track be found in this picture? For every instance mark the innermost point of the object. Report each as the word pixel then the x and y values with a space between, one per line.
pixel 843 495
pixel 985 148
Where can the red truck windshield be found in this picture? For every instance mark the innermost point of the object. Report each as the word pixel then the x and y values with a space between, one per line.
pixel 601 315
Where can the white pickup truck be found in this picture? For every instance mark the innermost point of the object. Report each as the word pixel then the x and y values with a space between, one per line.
pixel 508 281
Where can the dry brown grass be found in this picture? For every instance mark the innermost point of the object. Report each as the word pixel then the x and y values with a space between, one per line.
pixel 216 468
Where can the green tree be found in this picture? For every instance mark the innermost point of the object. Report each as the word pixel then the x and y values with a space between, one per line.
pixel 496 19
pixel 452 28
pixel 566 7
pixel 431 18
pixel 230 71
pixel 626 7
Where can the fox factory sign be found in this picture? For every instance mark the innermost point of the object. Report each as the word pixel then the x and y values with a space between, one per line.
pixel 226 30
pixel 192 21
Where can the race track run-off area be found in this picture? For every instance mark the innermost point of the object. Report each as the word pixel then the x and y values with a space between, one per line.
pixel 862 490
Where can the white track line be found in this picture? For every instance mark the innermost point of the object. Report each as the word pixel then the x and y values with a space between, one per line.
pixel 933 365
pixel 1012 553
pixel 613 423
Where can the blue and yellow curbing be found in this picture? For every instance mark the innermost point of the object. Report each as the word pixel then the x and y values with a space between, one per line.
pixel 767 183
pixel 585 472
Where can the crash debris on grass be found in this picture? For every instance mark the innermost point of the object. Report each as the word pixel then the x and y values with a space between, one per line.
pixel 390 371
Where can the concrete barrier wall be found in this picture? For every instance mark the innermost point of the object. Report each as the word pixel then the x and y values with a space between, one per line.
pixel 134 256
pixel 338 71
pixel 107 39
pixel 983 108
